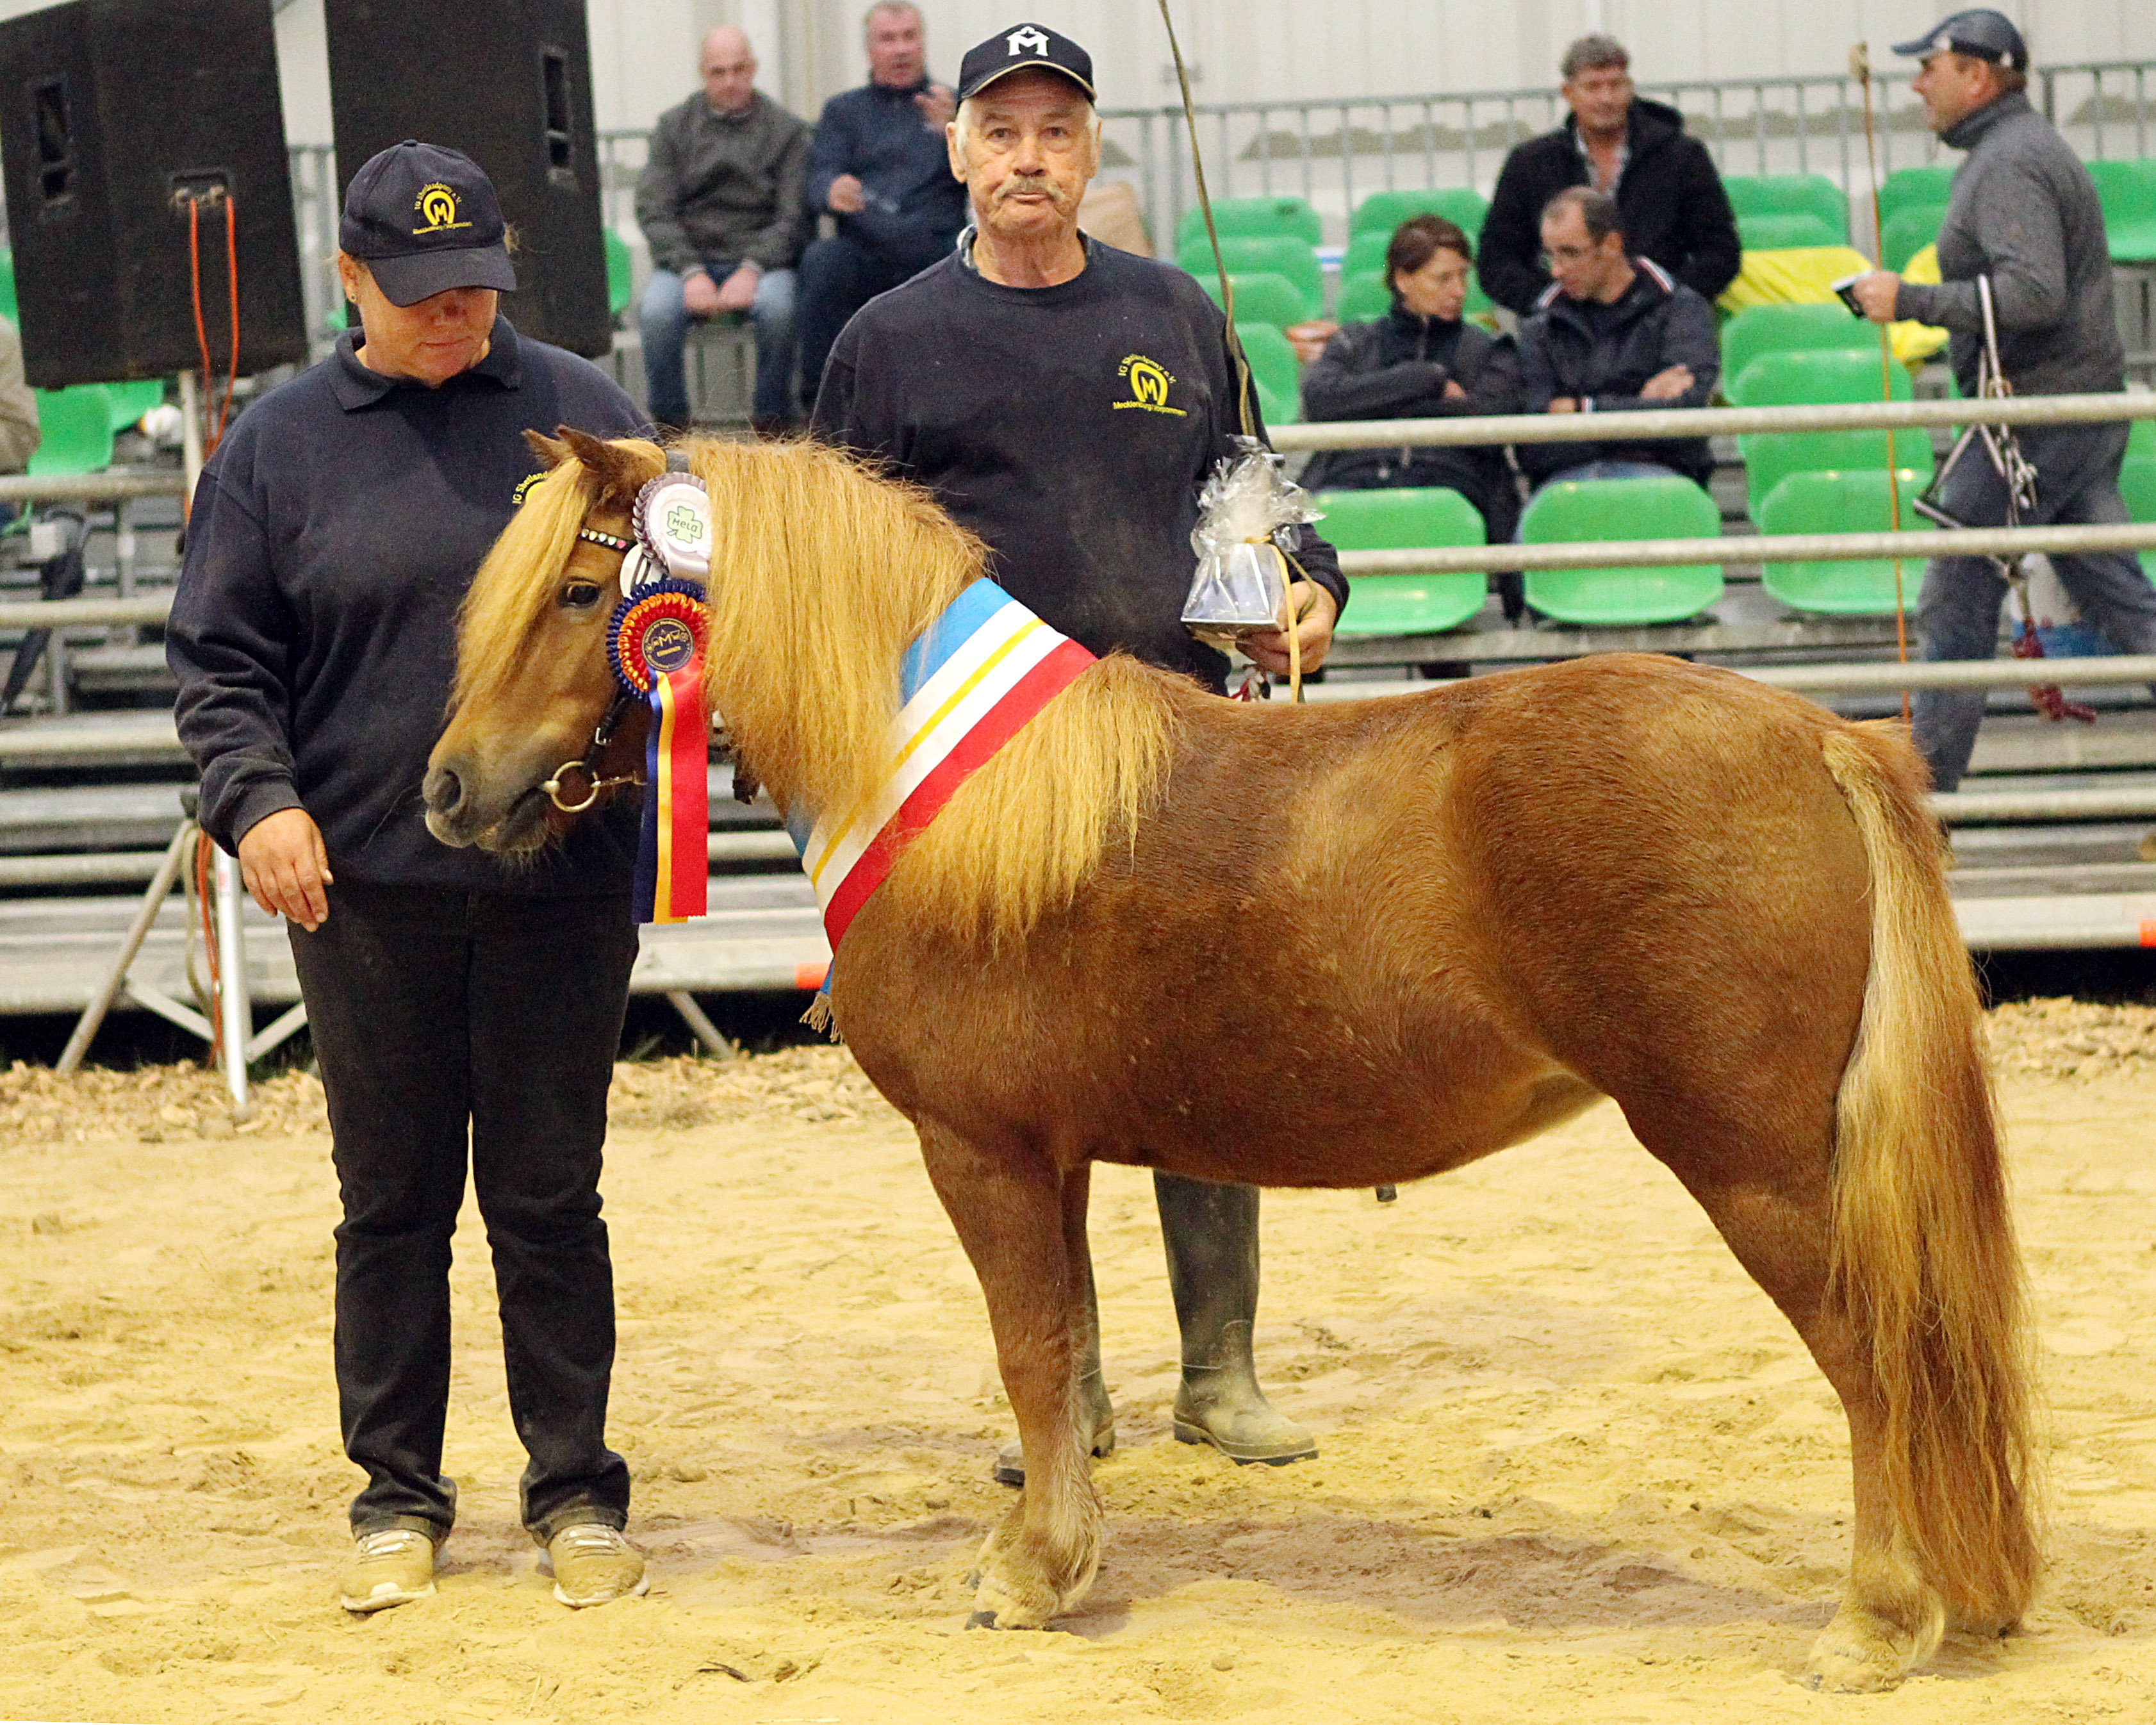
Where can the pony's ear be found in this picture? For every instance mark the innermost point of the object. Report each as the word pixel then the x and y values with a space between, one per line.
pixel 613 470
pixel 550 450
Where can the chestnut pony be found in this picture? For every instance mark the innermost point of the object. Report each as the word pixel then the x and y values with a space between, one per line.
pixel 1350 944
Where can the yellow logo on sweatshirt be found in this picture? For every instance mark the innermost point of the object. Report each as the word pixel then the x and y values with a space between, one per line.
pixel 1149 381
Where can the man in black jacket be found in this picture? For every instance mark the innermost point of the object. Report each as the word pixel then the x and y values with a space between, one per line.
pixel 1675 210
pixel 879 167
pixel 1613 332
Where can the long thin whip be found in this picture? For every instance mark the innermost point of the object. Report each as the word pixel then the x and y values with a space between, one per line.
pixel 1244 387
pixel 1859 68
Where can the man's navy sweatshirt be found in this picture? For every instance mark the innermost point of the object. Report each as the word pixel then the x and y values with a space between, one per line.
pixel 314 630
pixel 879 135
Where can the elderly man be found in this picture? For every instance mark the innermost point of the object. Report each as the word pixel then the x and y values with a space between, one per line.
pixel 1612 332
pixel 721 203
pixel 2023 213
pixel 878 168
pixel 1675 210
pixel 1000 379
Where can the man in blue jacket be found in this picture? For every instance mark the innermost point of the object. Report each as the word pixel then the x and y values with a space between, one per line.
pixel 879 166
pixel 1612 332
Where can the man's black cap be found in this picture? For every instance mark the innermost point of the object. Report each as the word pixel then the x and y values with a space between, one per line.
pixel 1023 48
pixel 425 219
pixel 1981 34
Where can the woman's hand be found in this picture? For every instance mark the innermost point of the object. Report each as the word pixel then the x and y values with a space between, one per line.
pixel 282 862
pixel 1315 611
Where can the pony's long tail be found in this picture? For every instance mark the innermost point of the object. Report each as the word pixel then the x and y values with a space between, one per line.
pixel 1924 1259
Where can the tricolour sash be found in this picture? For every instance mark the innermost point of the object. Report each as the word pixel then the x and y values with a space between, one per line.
pixel 968 686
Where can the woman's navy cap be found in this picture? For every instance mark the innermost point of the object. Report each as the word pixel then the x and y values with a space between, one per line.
pixel 1981 34
pixel 425 219
pixel 1023 48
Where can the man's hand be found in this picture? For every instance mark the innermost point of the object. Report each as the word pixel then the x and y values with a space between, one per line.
pixel 846 198
pixel 1876 291
pixel 1562 404
pixel 738 291
pixel 282 860
pixel 1453 392
pixel 1315 611
pixel 1666 385
pixel 699 294
pixel 938 106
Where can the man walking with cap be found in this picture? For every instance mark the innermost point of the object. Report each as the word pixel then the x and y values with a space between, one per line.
pixel 466 1006
pixel 1065 400
pixel 2023 214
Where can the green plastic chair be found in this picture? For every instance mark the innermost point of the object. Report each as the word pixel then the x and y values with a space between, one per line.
pixel 1252 219
pixel 1789 195
pixel 1405 518
pixel 2140 438
pixel 2137 484
pixel 1784 329
pixel 2127 191
pixel 1833 502
pixel 1274 369
pixel 1658 508
pixel 1382 212
pixel 1260 299
pixel 620 273
pixel 1814 375
pixel 131 401
pixel 1771 457
pixel 1365 254
pixel 1907 186
pixel 74 431
pixel 7 287
pixel 1363 297
pixel 1907 232
pixel 1293 260
pixel 1785 233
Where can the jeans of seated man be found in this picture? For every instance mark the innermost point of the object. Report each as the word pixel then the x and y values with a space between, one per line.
pixel 1958 612
pixel 839 276
pixel 1601 470
pixel 665 320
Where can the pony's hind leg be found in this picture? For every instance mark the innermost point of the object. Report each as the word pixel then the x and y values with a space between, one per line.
pixel 1775 1217
pixel 1012 1209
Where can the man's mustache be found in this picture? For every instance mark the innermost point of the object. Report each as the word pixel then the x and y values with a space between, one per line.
pixel 1040 183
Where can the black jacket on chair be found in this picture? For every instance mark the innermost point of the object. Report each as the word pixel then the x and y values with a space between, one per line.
pixel 1670 193
pixel 1396 367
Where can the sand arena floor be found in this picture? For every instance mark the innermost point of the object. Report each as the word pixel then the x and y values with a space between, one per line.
pixel 1574 1464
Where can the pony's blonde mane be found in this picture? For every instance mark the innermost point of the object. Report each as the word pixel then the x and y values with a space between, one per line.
pixel 823 574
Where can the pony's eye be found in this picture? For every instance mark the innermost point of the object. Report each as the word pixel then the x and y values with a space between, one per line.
pixel 580 595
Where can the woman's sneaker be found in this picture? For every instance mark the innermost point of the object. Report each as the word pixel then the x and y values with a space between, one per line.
pixel 392 1566
pixel 593 1563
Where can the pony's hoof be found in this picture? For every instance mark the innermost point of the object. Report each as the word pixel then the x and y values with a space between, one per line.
pixel 1847 1663
pixel 982 1620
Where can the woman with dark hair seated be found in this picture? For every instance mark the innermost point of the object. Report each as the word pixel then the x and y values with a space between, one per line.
pixel 1419 361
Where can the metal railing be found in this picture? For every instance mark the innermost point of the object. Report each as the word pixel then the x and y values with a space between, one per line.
pixel 1333 151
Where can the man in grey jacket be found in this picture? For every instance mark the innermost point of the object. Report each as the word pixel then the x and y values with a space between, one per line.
pixel 2023 213
pixel 721 203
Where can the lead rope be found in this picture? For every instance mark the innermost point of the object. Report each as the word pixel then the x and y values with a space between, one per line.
pixel 1244 386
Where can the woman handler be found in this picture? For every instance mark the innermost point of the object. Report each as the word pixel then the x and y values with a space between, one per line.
pixel 452 996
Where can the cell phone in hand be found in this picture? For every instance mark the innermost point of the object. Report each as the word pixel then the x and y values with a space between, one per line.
pixel 1845 291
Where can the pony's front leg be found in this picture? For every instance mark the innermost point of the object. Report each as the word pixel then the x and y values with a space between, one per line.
pixel 1012 1207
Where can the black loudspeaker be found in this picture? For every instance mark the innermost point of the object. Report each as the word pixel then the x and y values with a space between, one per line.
pixel 508 82
pixel 115 116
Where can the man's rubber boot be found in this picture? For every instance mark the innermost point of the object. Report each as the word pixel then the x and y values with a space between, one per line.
pixel 1093 1406
pixel 1211 1233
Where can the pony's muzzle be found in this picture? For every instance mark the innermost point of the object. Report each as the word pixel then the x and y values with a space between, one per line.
pixel 448 805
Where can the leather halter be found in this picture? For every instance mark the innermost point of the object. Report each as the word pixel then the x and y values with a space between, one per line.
pixel 563 796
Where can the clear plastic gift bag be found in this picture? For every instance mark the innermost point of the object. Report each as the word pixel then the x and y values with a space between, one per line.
pixel 1244 512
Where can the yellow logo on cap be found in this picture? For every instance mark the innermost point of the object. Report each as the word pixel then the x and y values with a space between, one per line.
pixel 1149 381
pixel 438 206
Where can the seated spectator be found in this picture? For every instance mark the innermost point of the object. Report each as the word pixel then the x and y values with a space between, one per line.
pixel 721 203
pixel 19 410
pixel 881 167
pixel 1420 362
pixel 1611 333
pixel 1675 209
